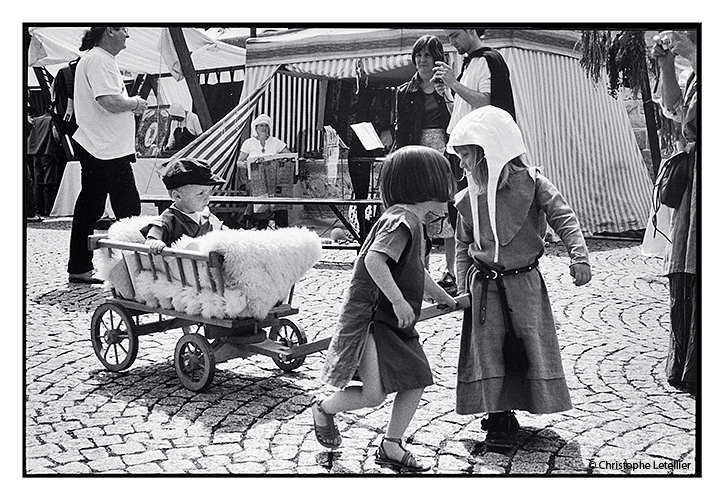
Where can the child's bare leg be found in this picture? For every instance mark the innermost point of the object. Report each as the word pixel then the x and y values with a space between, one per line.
pixel 403 409
pixel 368 395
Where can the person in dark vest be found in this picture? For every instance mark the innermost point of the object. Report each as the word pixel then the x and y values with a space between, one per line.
pixel 44 148
pixel 187 127
pixel 63 109
pixel 189 183
pixel 484 80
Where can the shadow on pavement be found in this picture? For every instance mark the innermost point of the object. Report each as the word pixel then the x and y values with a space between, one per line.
pixel 536 452
pixel 233 402
pixel 73 298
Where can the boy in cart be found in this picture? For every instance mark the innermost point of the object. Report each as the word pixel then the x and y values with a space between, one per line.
pixel 189 183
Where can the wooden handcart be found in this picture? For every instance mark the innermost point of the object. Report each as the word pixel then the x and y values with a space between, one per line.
pixel 118 323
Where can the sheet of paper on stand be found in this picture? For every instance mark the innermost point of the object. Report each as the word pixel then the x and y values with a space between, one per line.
pixel 367 135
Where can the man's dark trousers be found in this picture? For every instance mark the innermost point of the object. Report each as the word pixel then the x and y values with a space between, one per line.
pixel 99 179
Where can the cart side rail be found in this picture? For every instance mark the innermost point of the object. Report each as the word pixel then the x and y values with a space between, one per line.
pixel 215 259
pixel 192 269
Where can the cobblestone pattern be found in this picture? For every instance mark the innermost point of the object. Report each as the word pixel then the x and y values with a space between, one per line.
pixel 256 419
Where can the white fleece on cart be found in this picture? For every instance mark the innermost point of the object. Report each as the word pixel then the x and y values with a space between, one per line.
pixel 259 268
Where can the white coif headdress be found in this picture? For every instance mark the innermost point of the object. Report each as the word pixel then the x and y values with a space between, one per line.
pixel 261 119
pixel 494 130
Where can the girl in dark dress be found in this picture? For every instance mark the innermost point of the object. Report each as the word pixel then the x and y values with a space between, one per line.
pixel 376 336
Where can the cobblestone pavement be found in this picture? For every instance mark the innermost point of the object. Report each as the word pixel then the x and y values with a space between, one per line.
pixel 256 419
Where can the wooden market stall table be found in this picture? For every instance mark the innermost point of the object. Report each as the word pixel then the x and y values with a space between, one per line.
pixel 144 170
pixel 334 204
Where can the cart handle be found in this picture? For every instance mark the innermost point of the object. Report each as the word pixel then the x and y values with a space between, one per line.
pixel 462 302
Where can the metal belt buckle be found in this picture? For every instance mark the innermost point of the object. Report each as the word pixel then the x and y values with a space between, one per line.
pixel 495 274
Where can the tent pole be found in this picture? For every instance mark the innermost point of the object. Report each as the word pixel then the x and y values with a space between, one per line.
pixel 136 85
pixel 150 82
pixel 187 66
pixel 44 85
pixel 650 116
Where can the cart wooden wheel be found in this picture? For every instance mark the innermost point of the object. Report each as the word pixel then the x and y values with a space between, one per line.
pixel 114 337
pixel 288 334
pixel 195 362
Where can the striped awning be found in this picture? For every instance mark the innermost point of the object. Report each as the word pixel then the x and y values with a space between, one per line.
pixel 219 145
pixel 315 44
pixel 349 67
pixel 582 140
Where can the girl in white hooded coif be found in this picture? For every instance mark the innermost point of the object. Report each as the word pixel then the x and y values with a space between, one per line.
pixel 509 355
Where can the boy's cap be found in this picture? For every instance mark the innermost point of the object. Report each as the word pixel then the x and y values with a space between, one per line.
pixel 187 171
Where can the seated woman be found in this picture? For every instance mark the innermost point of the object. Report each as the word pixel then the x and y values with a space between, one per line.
pixel 261 143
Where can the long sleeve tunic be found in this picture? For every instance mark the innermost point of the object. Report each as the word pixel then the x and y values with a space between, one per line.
pixel 484 384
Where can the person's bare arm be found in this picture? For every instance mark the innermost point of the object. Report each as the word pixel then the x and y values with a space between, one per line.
pixel 438 294
pixel 376 263
pixel 444 75
pixel 122 104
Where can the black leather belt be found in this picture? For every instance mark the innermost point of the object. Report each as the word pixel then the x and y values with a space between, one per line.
pixel 495 274
pixel 514 354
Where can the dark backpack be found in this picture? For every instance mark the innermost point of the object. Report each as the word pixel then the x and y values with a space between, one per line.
pixel 63 90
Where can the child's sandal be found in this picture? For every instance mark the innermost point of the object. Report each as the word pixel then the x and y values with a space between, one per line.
pixel 328 434
pixel 408 462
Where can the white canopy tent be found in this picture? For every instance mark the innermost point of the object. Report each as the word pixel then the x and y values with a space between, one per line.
pixel 149 50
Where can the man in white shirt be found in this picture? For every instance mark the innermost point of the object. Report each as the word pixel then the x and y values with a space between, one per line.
pixel 104 143
pixel 484 80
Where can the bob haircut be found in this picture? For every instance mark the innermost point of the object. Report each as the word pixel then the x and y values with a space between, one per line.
pixel 432 44
pixel 416 174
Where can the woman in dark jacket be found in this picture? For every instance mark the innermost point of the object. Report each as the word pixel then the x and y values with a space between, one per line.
pixel 422 116
pixel 422 112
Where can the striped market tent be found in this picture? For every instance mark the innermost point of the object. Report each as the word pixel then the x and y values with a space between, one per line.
pixel 286 77
pixel 303 61
pixel 219 145
pixel 578 135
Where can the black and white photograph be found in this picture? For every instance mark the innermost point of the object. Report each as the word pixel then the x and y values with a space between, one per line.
pixel 360 250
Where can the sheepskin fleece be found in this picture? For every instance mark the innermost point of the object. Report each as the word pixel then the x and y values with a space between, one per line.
pixel 127 230
pixel 259 269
